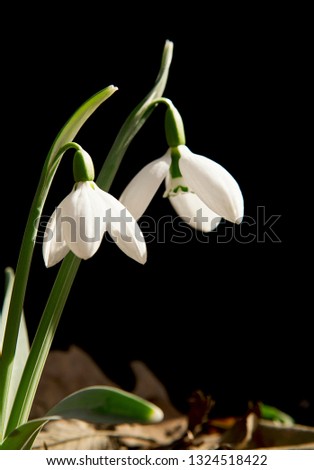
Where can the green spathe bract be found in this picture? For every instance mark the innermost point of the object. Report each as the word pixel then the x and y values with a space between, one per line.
pixel 174 127
pixel 83 167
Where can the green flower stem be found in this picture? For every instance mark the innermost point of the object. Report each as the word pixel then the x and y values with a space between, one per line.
pixel 174 127
pixel 21 278
pixel 135 121
pixel 61 288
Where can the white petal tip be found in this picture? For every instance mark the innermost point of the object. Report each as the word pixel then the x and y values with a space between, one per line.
pixel 48 260
pixel 139 257
pixel 51 263
pixel 54 253
pixel 238 216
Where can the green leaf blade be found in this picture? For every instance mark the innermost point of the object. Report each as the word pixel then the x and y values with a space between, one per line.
pixel 76 121
pixel 98 404
pixel 107 405
pixel 23 437
pixel 22 346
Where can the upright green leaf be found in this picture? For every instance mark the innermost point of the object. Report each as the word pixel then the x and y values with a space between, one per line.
pixel 22 347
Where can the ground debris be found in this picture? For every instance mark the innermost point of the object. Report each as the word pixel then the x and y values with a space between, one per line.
pixel 68 371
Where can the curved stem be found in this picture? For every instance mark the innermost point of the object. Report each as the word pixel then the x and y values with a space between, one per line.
pixel 174 126
pixel 135 121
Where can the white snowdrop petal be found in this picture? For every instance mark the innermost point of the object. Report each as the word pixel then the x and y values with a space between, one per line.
pixel 140 191
pixel 125 231
pixel 214 185
pixel 194 212
pixel 83 223
pixel 54 247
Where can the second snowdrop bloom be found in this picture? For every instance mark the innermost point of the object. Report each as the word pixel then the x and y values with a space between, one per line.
pixel 200 190
pixel 80 221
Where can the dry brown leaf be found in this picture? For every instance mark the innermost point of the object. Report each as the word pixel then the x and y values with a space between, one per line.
pixel 240 435
pixel 204 442
pixel 251 432
pixel 66 372
pixel 148 386
pixel 152 436
pixel 273 435
pixel 200 407
pixel 72 435
pixel 75 434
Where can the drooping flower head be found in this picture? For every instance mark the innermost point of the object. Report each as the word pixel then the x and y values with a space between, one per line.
pixel 200 190
pixel 80 221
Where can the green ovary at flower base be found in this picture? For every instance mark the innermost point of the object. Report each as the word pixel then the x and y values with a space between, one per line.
pixel 80 221
pixel 200 190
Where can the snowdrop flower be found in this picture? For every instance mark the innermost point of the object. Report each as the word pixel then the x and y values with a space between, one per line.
pixel 80 221
pixel 200 190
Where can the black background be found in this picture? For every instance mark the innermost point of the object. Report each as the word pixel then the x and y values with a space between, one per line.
pixel 229 318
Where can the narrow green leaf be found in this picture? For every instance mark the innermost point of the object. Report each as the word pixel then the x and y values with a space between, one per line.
pixel 22 347
pixel 76 121
pixel 101 404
